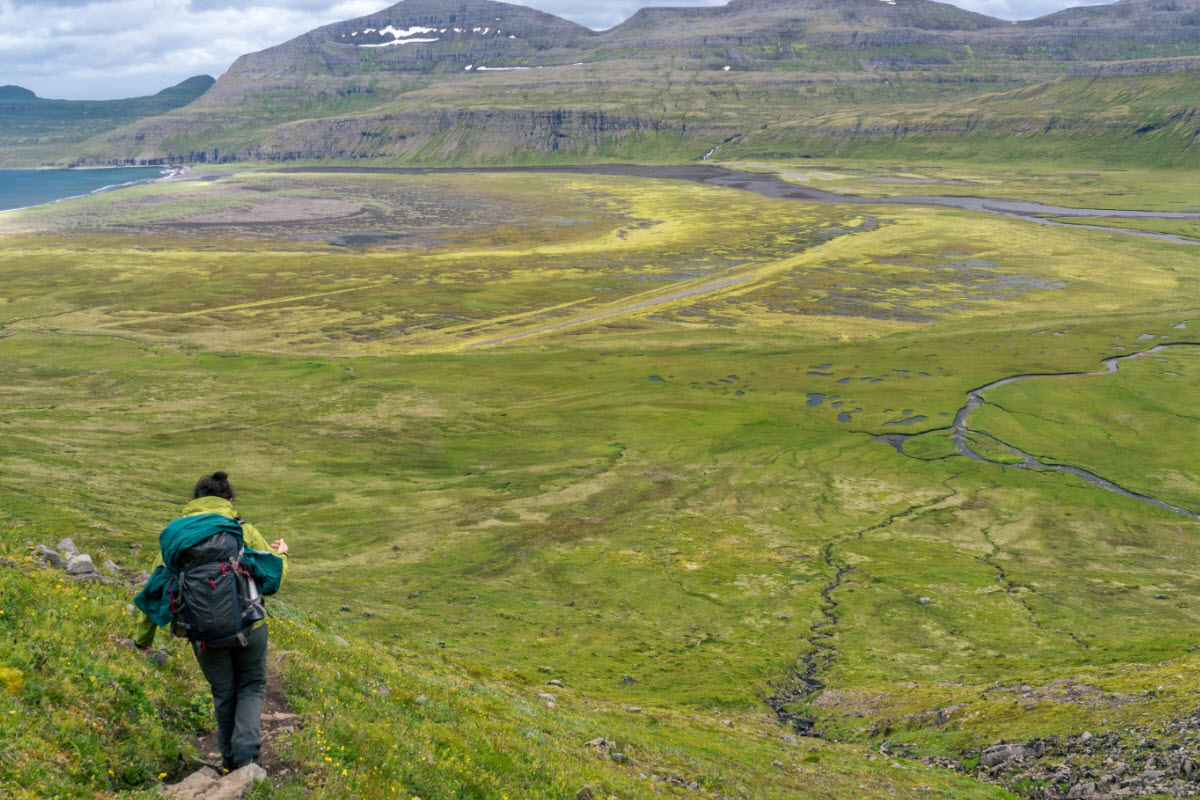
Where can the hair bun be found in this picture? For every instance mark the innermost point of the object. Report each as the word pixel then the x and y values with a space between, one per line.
pixel 221 476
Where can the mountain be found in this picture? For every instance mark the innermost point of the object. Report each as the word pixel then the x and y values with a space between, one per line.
pixel 31 126
pixel 16 93
pixel 477 82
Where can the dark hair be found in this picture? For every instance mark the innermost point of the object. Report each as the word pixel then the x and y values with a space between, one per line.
pixel 215 485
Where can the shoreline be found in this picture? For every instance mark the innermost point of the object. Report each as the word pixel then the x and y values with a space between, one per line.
pixel 175 173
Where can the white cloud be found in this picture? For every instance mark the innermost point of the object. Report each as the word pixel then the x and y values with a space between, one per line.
pixel 94 49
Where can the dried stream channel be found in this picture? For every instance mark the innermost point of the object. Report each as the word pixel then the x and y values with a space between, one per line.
pixel 960 430
pixel 770 185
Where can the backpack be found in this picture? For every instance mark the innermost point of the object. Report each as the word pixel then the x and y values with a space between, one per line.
pixel 214 597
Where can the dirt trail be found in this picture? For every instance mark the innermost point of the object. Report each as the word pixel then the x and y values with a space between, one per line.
pixel 277 719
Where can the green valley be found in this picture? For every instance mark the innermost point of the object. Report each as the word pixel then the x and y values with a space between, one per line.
pixel 619 433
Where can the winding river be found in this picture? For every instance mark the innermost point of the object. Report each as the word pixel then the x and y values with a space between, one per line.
pixel 771 185
pixel 975 399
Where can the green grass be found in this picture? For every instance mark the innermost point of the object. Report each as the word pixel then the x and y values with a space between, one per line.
pixel 647 494
pixel 1127 120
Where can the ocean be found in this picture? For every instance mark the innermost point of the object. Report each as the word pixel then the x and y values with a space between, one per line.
pixel 32 187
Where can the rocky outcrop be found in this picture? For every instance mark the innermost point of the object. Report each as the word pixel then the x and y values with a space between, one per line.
pixel 1135 762
pixel 67 557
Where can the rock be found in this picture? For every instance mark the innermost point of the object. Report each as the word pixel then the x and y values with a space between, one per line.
pixel 53 559
pixel 345 608
pixel 1086 736
pixel 547 670
pixel 196 786
pixel 81 565
pixel 67 548
pixel 554 682
pixel 8 562
pixel 411 595
pixel 110 567
pixel 128 643
pixel 281 718
pixel 619 758
pixel 341 641
pixel 789 738
pixel 237 783
pixel 629 680
pixel 925 600
pixel 159 657
pixel 421 699
pixel 1001 753
pixel 206 784
pixel 600 743
pixel 777 764
pixel 546 696
pixel 585 793
pixel 1154 774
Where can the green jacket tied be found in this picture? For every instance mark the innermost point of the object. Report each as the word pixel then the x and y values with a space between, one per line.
pixel 203 518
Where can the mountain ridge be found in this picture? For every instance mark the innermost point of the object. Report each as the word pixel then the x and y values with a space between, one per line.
pixel 482 82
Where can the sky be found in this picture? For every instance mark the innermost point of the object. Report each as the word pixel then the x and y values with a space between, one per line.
pixel 104 49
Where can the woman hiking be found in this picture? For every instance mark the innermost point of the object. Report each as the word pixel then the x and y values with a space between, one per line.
pixel 208 582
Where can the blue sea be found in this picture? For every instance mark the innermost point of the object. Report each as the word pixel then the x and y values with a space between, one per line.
pixel 32 187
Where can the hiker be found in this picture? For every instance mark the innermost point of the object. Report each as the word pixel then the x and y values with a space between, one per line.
pixel 209 579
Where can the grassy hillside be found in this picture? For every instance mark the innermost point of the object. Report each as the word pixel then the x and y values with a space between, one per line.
pixel 86 717
pixel 620 433
pixel 1144 120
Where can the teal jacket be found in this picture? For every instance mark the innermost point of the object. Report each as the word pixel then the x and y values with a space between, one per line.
pixel 202 518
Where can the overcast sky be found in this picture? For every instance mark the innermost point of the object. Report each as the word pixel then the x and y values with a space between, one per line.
pixel 102 49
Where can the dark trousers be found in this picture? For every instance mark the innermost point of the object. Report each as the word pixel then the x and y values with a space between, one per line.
pixel 238 677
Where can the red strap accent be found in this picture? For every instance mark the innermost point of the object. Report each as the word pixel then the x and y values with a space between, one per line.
pixel 213 583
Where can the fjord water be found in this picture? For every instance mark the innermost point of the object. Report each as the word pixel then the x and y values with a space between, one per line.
pixel 31 187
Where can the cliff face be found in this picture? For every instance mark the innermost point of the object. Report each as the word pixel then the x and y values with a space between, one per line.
pixel 434 80
pixel 455 136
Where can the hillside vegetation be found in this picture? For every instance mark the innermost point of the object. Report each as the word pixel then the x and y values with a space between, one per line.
pixel 1147 120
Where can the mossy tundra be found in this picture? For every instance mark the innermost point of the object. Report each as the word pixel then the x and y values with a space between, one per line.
pixel 614 432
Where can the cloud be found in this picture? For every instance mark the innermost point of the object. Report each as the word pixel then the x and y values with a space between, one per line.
pixel 95 49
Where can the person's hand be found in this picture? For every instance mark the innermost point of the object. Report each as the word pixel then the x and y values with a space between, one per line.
pixel 279 546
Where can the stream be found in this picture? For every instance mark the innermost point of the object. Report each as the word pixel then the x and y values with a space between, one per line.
pixel 770 185
pixel 975 399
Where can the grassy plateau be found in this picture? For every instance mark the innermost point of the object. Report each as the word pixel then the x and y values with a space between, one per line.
pixel 618 433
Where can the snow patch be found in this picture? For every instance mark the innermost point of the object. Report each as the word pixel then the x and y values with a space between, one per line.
pixel 404 33
pixel 503 69
pixel 469 67
pixel 400 41
pixel 727 67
